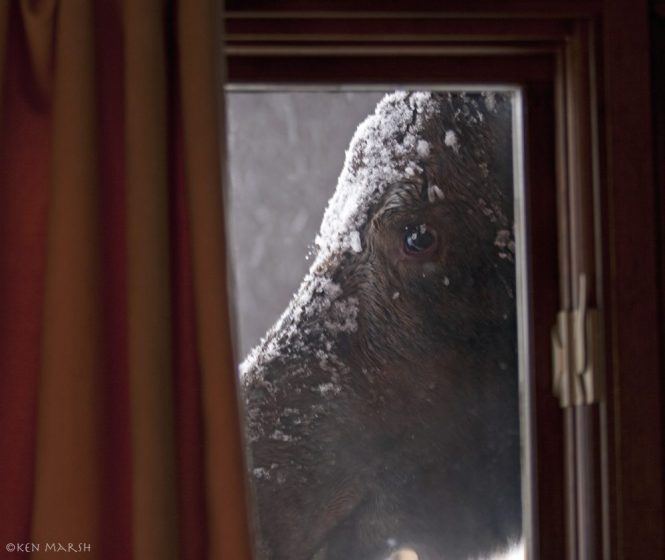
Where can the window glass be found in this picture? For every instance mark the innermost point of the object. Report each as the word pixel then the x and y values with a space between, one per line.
pixel 375 236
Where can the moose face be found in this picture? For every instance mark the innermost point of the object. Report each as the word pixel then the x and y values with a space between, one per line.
pixel 382 408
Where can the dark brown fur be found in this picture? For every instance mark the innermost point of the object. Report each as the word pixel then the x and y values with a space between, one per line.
pixel 416 443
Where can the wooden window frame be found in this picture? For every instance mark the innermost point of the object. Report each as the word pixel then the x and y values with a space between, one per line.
pixel 599 467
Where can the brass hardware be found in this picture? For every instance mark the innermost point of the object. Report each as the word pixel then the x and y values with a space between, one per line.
pixel 575 353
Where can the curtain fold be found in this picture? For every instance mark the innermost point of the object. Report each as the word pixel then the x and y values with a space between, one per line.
pixel 149 283
pixel 67 447
pixel 199 58
pixel 119 425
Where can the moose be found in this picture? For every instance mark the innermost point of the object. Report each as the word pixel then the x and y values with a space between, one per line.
pixel 382 408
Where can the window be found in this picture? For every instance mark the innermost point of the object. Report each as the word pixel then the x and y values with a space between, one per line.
pixel 590 467
pixel 392 378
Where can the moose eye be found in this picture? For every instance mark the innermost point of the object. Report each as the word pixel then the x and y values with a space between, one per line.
pixel 419 240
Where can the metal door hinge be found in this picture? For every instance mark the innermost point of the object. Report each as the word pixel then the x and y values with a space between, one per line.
pixel 576 352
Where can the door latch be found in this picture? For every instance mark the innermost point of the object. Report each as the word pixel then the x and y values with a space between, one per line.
pixel 576 353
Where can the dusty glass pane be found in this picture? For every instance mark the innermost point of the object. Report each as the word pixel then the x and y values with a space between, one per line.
pixel 382 405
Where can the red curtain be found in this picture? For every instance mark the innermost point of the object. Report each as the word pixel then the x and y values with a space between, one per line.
pixel 118 418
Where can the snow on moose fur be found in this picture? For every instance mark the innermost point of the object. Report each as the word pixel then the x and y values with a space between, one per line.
pixel 382 407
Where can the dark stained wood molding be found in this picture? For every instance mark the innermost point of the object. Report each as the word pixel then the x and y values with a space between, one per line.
pixel 658 107
pixel 658 8
pixel 513 9
pixel 635 452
